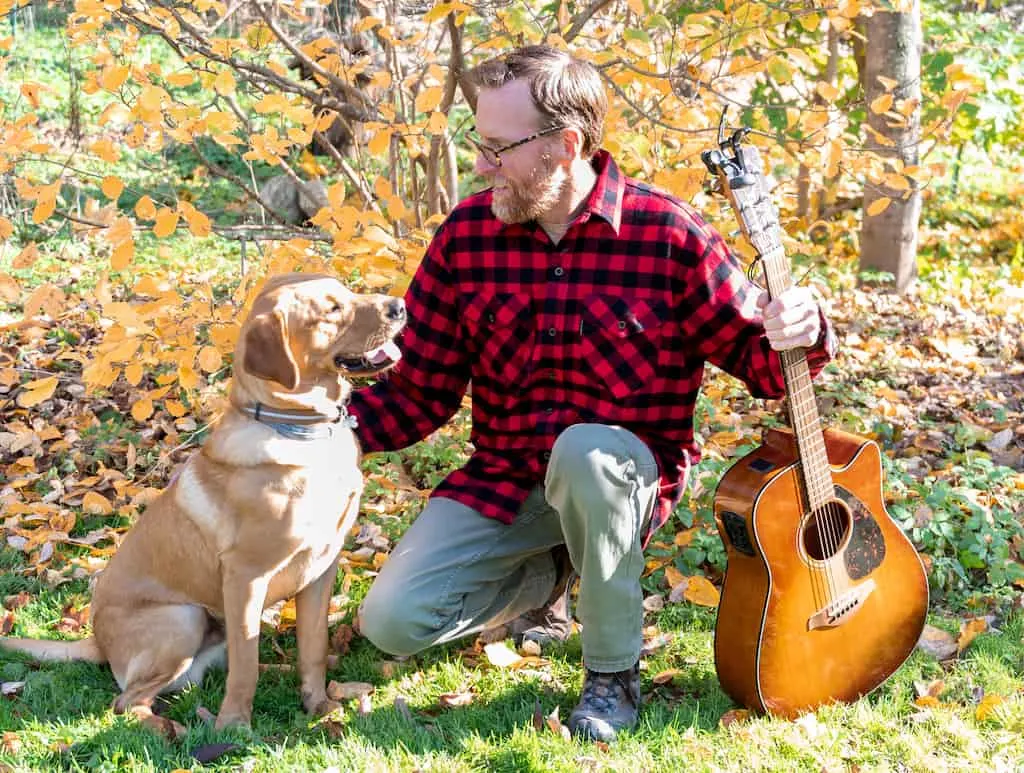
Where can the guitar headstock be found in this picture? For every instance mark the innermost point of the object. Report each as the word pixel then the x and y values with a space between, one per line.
pixel 740 178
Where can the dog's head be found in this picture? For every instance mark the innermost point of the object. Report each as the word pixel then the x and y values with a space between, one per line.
pixel 307 333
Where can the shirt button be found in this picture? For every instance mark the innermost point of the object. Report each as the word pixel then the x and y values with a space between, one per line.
pixel 546 456
pixel 549 410
pixel 552 332
pixel 559 270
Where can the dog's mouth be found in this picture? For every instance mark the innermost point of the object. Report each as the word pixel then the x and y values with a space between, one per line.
pixel 374 361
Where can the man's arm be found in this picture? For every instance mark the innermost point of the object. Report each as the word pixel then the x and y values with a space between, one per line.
pixel 424 390
pixel 739 329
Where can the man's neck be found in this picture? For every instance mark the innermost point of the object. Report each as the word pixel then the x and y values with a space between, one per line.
pixel 582 181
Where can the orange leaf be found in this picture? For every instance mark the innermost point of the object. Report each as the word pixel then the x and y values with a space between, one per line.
pixel 142 409
pixel 122 255
pixel 224 83
pixel 987 705
pixel 700 591
pixel 27 257
pixel 733 716
pixel 881 104
pixel 878 206
pixel 145 208
pixel 210 359
pixel 43 209
pixel 166 222
pixel 114 77
pixel 970 629
pixel 133 373
pixel 35 392
pixel 96 504
pixel 112 187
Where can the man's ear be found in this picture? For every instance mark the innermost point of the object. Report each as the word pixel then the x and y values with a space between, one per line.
pixel 572 143
pixel 267 354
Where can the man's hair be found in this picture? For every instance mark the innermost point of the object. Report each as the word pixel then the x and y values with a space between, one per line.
pixel 566 91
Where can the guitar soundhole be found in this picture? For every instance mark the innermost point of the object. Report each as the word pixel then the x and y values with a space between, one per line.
pixel 825 531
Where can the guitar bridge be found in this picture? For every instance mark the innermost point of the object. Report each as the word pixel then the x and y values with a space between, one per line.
pixel 838 611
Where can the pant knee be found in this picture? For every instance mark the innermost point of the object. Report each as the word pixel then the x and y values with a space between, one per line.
pixel 388 631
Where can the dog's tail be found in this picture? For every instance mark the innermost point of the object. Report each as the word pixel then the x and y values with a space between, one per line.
pixel 51 649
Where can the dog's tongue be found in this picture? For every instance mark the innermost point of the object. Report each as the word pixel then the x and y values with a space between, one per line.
pixel 389 352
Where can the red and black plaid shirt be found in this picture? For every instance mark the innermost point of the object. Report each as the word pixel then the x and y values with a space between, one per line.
pixel 611 325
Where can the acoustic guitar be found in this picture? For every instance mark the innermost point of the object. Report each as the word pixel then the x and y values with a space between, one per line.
pixel 824 596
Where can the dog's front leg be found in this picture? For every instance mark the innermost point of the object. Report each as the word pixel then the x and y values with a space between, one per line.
pixel 244 596
pixel 311 606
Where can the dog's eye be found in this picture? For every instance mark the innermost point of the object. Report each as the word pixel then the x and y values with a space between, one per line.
pixel 336 308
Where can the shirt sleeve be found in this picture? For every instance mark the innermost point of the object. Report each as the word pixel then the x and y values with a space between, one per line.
pixel 722 316
pixel 424 390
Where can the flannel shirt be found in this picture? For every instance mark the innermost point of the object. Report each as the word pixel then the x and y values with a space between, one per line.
pixel 612 325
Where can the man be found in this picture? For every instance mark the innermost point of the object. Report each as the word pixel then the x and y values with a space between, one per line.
pixel 582 305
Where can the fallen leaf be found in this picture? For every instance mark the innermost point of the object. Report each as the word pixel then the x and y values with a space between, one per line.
pixel 987 706
pixel 937 643
pixel 666 676
pixel 700 591
pixel 341 639
pixel 501 655
pixel 452 700
pixel 969 630
pixel 733 716
pixel 212 751
pixel 343 691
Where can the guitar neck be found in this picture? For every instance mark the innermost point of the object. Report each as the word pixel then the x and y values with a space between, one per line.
pixel 803 409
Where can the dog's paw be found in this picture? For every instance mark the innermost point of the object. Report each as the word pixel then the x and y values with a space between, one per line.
pixel 232 719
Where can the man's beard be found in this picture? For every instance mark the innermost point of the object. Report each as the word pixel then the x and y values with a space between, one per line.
pixel 532 199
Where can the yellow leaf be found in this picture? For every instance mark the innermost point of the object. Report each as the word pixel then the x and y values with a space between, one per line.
pixel 31 92
pixel 114 77
pixel 827 91
pixel 6 228
pixel 10 292
pixel 133 373
pixel 684 538
pixel 35 392
pixel 878 206
pixel 187 377
pixel 142 409
pixel 112 187
pixel 96 504
pixel 198 223
pixel 210 359
pixel 122 255
pixel 428 99
pixel 224 83
pixel 673 576
pixel 969 630
pixel 700 591
pixel 927 702
pixel 166 222
pixel 27 257
pixel 985 708
pixel 145 208
pixel 882 103
pixel 105 150
pixel 179 79
pixel 175 408
pixel 44 208
pixel 438 122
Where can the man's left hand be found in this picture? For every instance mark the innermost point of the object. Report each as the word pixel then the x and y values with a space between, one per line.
pixel 792 320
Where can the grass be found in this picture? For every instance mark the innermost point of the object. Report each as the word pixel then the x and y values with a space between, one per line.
pixel 62 720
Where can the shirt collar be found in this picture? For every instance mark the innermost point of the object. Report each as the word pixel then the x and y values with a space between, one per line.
pixel 605 200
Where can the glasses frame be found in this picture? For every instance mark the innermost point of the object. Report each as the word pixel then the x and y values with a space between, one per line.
pixel 493 155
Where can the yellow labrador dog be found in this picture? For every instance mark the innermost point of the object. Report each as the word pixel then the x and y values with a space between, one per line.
pixel 257 515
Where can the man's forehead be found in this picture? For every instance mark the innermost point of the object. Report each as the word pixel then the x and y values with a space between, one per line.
pixel 506 112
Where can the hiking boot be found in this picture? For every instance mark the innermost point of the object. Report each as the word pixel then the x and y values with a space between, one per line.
pixel 609 703
pixel 551 622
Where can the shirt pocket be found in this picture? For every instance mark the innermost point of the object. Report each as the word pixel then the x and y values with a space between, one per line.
pixel 620 341
pixel 500 330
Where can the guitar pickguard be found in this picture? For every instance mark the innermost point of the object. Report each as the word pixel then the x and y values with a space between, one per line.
pixel 866 549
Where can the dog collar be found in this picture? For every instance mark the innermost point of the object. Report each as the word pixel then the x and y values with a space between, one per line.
pixel 300 425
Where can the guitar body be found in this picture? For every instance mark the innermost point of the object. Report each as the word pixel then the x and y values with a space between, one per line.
pixel 807 618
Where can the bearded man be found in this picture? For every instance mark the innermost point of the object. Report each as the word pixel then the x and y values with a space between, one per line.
pixel 583 306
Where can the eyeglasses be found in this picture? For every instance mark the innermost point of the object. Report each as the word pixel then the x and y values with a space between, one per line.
pixel 493 155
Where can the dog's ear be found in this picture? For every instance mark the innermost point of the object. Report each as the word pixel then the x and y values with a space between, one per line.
pixel 267 354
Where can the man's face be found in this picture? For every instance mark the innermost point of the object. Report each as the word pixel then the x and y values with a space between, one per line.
pixel 529 181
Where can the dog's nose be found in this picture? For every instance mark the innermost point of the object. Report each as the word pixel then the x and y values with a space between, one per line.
pixel 396 309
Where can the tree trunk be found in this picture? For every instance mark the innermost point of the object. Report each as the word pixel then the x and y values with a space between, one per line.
pixel 889 239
